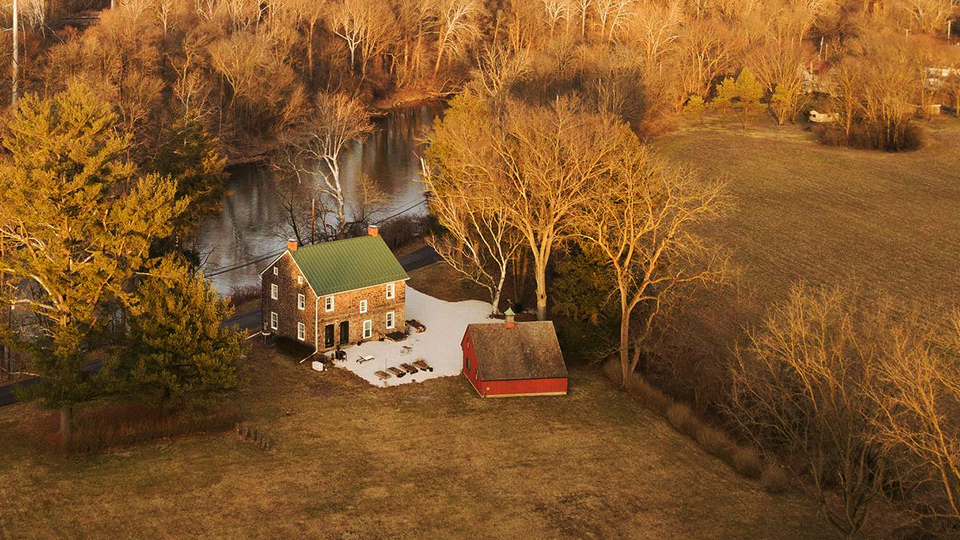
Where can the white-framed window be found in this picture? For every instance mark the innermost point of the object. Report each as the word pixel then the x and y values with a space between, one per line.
pixel 276 271
pixel 274 320
pixel 274 291
pixel 299 280
pixel 301 302
pixel 367 329
pixel 390 320
pixel 301 331
pixel 390 291
pixel 328 303
pixel 363 306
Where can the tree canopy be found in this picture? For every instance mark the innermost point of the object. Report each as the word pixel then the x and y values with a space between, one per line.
pixel 78 221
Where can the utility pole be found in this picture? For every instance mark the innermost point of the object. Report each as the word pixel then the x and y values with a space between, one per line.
pixel 16 54
pixel 5 367
pixel 313 221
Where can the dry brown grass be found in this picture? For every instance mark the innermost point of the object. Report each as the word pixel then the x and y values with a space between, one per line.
pixel 715 442
pixel 775 479
pixel 828 215
pixel 418 461
pixel 441 281
pixel 747 462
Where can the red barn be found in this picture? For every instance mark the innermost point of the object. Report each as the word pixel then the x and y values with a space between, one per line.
pixel 514 359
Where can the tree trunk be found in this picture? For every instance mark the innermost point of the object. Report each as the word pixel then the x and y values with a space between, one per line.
pixel 310 52
pixel 625 368
pixel 541 290
pixel 499 289
pixel 436 67
pixel 165 402
pixel 66 423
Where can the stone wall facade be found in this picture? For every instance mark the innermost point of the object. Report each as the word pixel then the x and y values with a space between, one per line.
pixel 290 282
pixel 346 309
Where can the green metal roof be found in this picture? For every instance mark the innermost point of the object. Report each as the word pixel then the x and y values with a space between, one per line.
pixel 345 265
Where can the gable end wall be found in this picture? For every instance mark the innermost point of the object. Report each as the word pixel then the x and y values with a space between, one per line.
pixel 286 303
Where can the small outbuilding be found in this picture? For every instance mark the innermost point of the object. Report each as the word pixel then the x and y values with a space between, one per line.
pixel 514 359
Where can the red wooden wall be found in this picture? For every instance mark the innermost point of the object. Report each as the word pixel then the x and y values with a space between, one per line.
pixel 505 388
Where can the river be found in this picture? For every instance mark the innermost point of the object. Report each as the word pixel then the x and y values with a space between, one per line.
pixel 238 242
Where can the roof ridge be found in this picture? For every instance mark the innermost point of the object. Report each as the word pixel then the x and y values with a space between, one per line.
pixel 348 264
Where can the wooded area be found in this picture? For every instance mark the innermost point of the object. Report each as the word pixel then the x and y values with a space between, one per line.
pixel 539 170
pixel 249 69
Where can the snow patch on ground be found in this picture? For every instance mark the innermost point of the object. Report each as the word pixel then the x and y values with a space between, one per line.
pixel 438 345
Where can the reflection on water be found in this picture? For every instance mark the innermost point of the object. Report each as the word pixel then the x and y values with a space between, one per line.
pixel 251 224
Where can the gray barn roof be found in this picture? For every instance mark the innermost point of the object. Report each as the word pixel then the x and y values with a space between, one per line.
pixel 527 351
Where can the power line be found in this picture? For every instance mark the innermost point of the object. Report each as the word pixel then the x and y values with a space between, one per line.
pixel 262 258
pixel 404 211
pixel 244 264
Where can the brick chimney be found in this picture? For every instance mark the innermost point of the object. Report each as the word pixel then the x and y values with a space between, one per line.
pixel 508 318
pixel 373 230
pixel 292 244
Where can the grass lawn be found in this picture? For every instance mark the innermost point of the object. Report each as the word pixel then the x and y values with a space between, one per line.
pixel 418 461
pixel 881 222
pixel 432 460
pixel 827 215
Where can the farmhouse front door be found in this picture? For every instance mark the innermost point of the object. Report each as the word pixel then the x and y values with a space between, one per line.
pixel 328 336
pixel 344 332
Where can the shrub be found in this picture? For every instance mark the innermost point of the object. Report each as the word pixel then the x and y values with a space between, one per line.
pixel 716 442
pixel 906 138
pixel 403 230
pixel 747 462
pixel 681 418
pixel 239 295
pixel 648 394
pixel 105 431
pixel 775 479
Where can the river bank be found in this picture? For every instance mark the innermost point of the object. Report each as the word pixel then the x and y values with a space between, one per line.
pixel 254 219
pixel 257 151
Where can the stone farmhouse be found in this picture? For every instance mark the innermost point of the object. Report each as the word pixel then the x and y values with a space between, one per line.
pixel 335 293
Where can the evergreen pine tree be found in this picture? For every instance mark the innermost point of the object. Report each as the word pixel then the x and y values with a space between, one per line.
pixel 741 95
pixel 191 156
pixel 176 347
pixel 78 222
pixel 694 107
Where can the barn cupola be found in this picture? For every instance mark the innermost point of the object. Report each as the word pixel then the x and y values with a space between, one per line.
pixel 292 244
pixel 508 318
pixel 373 230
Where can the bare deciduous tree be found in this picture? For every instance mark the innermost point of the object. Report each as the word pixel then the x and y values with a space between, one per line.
pixel 802 386
pixel 919 398
pixel 656 29
pixel 497 70
pixel 707 50
pixel 346 21
pixel 556 11
pixel 581 10
pixel 456 27
pixel 612 15
pixel 338 121
pixel 846 82
pixel 641 220
pixel 480 241
pixel 778 65
pixel 928 16
pixel 538 163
